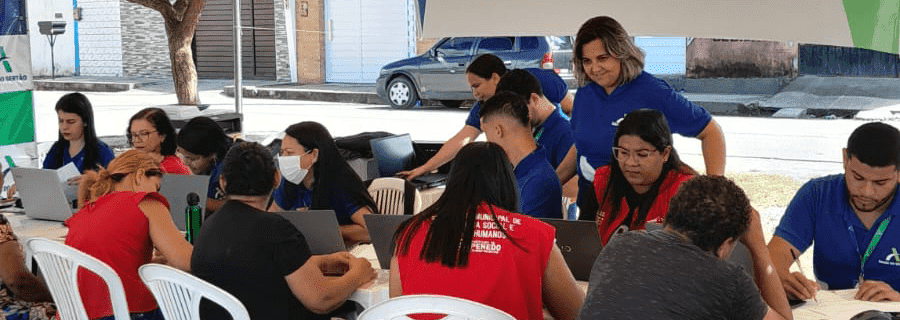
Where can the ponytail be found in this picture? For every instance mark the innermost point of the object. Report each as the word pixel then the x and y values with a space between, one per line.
pixel 95 184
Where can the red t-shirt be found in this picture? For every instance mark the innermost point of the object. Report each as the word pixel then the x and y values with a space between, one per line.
pixel 114 230
pixel 657 213
pixel 173 165
pixel 499 273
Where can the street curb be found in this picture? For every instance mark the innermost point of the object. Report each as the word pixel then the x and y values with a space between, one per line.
pixel 84 86
pixel 306 94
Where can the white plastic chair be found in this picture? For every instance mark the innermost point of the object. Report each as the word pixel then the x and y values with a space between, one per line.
pixel 454 308
pixel 178 293
pixel 388 194
pixel 59 264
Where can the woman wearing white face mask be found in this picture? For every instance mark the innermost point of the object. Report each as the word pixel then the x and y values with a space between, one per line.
pixel 315 176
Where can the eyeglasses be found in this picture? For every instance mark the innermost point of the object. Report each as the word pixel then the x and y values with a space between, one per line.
pixel 639 156
pixel 143 135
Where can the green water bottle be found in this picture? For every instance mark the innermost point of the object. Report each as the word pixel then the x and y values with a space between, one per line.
pixel 192 216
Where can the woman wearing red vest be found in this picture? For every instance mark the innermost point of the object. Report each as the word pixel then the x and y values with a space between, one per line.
pixel 471 244
pixel 644 174
pixel 121 221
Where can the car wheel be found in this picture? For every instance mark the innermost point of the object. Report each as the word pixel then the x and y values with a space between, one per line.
pixel 452 103
pixel 401 93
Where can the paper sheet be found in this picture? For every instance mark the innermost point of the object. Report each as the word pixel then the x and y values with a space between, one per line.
pixel 67 172
pixel 839 304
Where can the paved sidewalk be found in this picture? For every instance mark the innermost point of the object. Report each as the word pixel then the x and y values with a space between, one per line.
pixel 803 97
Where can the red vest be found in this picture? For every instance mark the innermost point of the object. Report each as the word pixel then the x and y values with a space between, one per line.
pixel 173 165
pixel 114 230
pixel 657 213
pixel 499 273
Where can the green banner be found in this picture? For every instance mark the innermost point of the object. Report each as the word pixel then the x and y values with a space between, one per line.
pixel 874 24
pixel 16 118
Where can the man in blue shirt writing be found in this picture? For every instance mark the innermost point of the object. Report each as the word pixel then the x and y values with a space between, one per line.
pixel 504 119
pixel 852 219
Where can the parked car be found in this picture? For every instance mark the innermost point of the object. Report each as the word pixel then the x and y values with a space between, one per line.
pixel 440 73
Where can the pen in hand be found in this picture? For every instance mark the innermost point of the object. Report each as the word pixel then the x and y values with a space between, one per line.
pixel 799 266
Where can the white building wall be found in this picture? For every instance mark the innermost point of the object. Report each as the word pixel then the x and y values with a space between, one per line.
pixel 64 48
pixel 100 38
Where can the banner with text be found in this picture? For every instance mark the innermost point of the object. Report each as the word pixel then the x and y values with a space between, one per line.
pixel 15 64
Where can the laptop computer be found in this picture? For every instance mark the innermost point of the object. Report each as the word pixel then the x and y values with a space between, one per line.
pixel 395 153
pixel 176 188
pixel 579 243
pixel 42 194
pixel 320 228
pixel 381 230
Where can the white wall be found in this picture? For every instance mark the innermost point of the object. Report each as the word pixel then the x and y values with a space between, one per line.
pixel 64 48
pixel 100 38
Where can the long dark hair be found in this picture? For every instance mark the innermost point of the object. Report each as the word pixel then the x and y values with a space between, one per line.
pixel 78 104
pixel 486 65
pixel 481 174
pixel 203 136
pixel 651 126
pixel 160 120
pixel 331 172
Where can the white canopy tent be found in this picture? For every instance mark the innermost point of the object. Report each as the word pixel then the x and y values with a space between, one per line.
pixel 807 21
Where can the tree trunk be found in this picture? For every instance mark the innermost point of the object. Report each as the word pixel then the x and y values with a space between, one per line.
pixel 181 18
pixel 184 73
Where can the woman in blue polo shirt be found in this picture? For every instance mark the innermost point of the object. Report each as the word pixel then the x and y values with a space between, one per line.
pixel 203 144
pixel 315 176
pixel 77 142
pixel 609 69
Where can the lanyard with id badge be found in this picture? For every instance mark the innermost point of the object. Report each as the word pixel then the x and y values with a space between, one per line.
pixel 863 257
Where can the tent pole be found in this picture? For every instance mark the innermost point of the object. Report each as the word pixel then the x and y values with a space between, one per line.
pixel 238 90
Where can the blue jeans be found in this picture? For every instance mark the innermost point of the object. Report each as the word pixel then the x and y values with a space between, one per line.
pixel 150 315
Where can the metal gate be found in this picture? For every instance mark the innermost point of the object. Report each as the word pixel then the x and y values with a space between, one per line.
pixel 361 36
pixel 214 41
pixel 825 60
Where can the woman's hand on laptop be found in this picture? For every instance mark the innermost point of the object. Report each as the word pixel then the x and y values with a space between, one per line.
pixel 74 180
pixel 11 191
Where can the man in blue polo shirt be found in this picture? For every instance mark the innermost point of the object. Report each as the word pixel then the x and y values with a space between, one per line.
pixel 550 129
pixel 504 118
pixel 492 69
pixel 853 219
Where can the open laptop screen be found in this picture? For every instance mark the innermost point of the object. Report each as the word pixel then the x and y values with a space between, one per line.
pixel 393 154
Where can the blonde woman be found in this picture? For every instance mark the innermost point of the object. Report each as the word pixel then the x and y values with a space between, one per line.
pixel 122 219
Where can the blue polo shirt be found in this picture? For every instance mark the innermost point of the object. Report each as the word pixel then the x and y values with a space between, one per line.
pixel 595 115
pixel 555 134
pixel 540 194
pixel 105 155
pixel 553 87
pixel 290 196
pixel 820 213
pixel 213 191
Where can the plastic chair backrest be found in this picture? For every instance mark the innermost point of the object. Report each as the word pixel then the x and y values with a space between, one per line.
pixel 454 308
pixel 388 194
pixel 59 264
pixel 178 293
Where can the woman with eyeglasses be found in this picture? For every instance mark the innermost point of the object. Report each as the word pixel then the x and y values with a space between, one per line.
pixel 121 219
pixel 315 176
pixel 644 174
pixel 150 131
pixel 203 144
